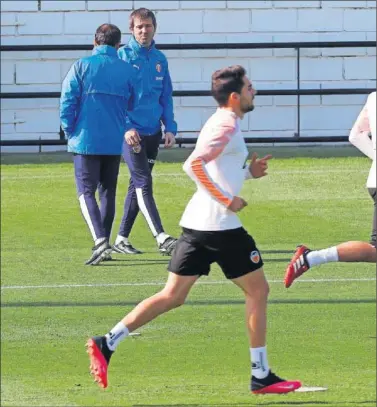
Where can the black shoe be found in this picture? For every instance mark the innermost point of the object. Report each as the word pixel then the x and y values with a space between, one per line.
pixel 273 384
pixel 168 246
pixel 125 248
pixel 99 355
pixel 100 253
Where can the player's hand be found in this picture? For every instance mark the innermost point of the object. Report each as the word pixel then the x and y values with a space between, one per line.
pixel 169 140
pixel 132 137
pixel 258 166
pixel 237 204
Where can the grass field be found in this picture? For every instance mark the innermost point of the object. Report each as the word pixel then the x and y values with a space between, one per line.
pixel 321 332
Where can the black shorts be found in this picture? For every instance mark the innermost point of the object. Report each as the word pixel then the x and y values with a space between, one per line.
pixel 373 238
pixel 233 250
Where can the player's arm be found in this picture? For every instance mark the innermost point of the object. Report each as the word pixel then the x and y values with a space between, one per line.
pixel 195 166
pixel 359 135
pixel 132 100
pixel 70 100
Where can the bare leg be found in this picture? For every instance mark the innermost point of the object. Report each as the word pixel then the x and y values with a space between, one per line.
pixel 346 252
pixel 357 252
pixel 171 296
pixel 100 348
pixel 256 290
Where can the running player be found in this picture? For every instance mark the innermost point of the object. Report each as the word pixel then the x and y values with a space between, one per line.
pixel 212 233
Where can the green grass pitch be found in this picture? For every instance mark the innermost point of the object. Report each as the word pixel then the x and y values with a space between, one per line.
pixel 321 332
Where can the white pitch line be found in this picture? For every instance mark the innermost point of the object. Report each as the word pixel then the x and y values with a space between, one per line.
pixel 181 174
pixel 221 282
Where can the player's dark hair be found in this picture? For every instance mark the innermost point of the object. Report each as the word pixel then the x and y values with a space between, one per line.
pixel 108 34
pixel 143 14
pixel 226 81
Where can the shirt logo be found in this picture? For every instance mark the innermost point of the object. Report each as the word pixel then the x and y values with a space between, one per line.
pixel 159 78
pixel 137 67
pixel 255 257
pixel 158 68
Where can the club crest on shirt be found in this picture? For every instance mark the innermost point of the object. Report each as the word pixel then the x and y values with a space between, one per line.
pixel 255 256
pixel 158 68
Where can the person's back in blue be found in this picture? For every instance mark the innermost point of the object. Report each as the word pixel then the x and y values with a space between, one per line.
pixel 96 93
pixel 153 108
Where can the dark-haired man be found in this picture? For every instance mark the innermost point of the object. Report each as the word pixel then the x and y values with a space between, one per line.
pixel 153 108
pixel 212 233
pixel 95 95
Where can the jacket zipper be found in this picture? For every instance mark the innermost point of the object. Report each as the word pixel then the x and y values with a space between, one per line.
pixel 149 73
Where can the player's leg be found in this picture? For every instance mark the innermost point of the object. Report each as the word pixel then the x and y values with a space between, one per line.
pixel 165 242
pixel 356 252
pixel 130 212
pixel 87 174
pixel 347 252
pixel 171 296
pixel 101 348
pixel 107 190
pixel 144 187
pixel 256 290
pixel 136 162
pixel 142 181
pixel 241 262
pixel 186 265
pixel 263 380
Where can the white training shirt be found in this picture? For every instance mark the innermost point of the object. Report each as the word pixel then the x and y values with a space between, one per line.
pixel 359 136
pixel 218 167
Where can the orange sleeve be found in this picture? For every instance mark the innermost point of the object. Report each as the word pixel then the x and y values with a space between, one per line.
pixel 202 176
pixel 209 149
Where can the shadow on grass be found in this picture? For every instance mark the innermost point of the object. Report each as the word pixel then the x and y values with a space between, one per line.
pixel 278 251
pixel 131 263
pixel 188 303
pixel 141 262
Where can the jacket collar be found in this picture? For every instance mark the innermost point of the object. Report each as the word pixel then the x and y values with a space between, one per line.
pixel 105 50
pixel 138 49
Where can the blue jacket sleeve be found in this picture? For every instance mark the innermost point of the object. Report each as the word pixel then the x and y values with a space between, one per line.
pixel 131 102
pixel 166 101
pixel 70 100
pixel 130 105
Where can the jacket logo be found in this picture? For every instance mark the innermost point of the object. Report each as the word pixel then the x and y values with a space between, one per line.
pixel 159 78
pixel 136 66
pixel 158 68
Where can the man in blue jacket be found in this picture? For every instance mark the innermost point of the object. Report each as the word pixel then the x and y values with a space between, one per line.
pixel 96 93
pixel 153 108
